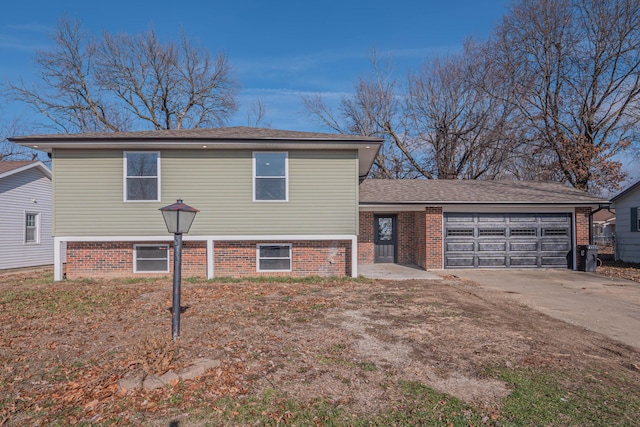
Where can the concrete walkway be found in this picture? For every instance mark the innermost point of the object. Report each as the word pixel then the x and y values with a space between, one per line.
pixel 608 306
pixel 395 272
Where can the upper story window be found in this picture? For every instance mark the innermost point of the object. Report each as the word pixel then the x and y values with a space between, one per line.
pixel 142 176
pixel 31 227
pixel 270 176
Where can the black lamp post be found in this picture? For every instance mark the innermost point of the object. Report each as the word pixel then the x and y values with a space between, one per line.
pixel 178 218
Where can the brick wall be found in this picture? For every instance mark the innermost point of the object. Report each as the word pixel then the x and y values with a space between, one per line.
pixel 582 225
pixel 433 246
pixel 309 258
pixel 406 238
pixel 420 238
pixel 365 238
pixel 115 259
pixel 233 259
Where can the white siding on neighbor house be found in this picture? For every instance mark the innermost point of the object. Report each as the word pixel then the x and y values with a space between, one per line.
pixel 627 241
pixel 22 192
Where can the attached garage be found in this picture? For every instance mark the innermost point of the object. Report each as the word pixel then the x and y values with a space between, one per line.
pixel 506 240
pixel 440 224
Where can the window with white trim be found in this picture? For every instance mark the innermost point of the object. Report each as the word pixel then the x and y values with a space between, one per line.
pixel 32 227
pixel 274 257
pixel 142 176
pixel 270 176
pixel 151 258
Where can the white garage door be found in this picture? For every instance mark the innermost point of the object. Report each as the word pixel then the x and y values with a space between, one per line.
pixel 506 240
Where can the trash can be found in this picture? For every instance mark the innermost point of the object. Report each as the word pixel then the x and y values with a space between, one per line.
pixel 587 257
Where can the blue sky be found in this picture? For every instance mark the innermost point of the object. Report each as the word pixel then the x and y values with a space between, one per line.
pixel 280 49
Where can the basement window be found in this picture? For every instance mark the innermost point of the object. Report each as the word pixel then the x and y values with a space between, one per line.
pixel 274 257
pixel 151 259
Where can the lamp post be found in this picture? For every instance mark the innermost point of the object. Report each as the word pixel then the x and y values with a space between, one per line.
pixel 178 218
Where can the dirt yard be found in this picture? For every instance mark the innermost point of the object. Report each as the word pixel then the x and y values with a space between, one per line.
pixel 65 346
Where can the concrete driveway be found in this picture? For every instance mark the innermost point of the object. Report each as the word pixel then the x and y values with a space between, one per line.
pixel 608 306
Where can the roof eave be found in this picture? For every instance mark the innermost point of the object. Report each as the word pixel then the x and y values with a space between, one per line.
pixel 41 166
pixel 490 203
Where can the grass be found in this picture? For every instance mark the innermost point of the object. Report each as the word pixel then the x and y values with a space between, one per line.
pixel 285 279
pixel 539 397
pixel 552 398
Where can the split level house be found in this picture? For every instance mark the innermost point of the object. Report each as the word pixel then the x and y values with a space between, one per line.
pixel 276 202
pixel 25 203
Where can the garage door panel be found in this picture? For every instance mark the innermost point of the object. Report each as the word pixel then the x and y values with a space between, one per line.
pixel 554 218
pixel 492 218
pixel 492 261
pixel 554 246
pixel 459 246
pixel 492 246
pixel 523 246
pixel 522 218
pixel 558 261
pixel 523 261
pixel 457 261
pixel 460 218
pixel 507 240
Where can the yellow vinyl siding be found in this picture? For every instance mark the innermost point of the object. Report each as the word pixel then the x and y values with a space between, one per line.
pixel 88 189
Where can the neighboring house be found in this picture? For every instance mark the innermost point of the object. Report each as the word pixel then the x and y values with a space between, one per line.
pixel 289 203
pixel 627 204
pixel 25 202
pixel 604 227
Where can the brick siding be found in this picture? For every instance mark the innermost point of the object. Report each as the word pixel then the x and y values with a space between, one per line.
pixel 365 238
pixel 419 236
pixel 309 258
pixel 232 259
pixel 406 236
pixel 582 225
pixel 115 259
pixel 433 246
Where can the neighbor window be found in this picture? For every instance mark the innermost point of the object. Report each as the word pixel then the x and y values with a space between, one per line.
pixel 635 219
pixel 274 257
pixel 31 226
pixel 142 176
pixel 151 258
pixel 270 173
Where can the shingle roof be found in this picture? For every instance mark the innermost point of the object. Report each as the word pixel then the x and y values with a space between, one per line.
pixel 441 192
pixel 626 191
pixel 12 167
pixel 9 165
pixel 605 215
pixel 228 133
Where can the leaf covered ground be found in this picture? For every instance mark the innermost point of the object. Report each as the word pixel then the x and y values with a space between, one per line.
pixel 310 352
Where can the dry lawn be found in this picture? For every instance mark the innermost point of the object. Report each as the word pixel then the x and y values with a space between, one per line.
pixel 348 344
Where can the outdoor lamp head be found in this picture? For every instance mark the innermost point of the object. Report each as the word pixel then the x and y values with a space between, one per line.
pixel 178 217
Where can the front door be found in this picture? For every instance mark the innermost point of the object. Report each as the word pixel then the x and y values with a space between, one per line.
pixel 385 240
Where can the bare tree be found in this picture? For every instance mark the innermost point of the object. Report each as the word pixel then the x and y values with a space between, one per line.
pixel 123 82
pixel 9 150
pixel 466 132
pixel 375 109
pixel 575 66
pixel 256 114
pixel 442 124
